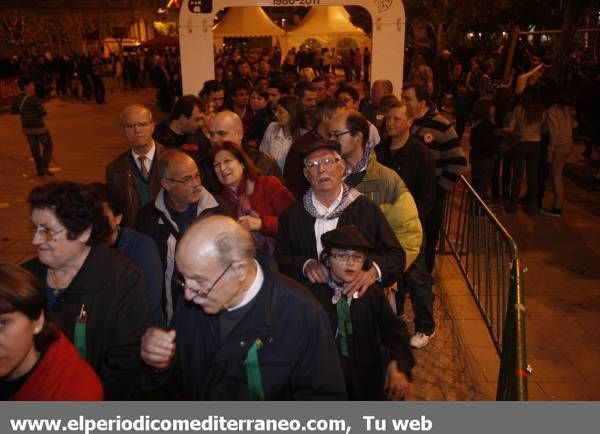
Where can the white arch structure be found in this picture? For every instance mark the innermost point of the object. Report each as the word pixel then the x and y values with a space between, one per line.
pixel 196 36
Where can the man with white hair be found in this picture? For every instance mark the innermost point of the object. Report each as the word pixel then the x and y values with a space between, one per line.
pixel 132 177
pixel 243 332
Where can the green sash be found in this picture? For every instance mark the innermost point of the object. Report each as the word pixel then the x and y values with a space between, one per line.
pixel 255 386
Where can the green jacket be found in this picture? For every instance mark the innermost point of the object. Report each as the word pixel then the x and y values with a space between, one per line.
pixel 384 187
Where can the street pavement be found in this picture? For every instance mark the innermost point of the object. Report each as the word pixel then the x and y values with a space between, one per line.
pixel 562 290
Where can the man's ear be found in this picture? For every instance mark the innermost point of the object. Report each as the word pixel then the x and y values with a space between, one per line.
pixel 119 218
pixel 164 183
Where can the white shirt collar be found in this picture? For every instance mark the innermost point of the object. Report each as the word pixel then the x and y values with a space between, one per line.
pixel 149 155
pixel 322 209
pixel 254 288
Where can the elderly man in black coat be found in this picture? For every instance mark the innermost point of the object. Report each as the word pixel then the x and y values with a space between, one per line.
pixel 327 204
pixel 243 331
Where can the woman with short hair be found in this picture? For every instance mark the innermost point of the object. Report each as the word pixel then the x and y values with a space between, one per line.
pixel 96 295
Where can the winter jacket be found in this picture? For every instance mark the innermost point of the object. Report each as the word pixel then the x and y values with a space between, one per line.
pixel 121 181
pixel 60 375
pixel 110 289
pixel 384 187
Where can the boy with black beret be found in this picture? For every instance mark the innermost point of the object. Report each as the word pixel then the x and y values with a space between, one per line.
pixel 363 325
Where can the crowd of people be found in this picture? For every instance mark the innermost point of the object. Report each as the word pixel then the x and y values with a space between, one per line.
pixel 261 242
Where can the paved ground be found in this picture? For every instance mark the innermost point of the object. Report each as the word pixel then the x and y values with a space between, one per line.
pixel 562 285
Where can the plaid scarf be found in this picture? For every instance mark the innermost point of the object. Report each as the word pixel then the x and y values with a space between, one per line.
pixel 361 165
pixel 349 195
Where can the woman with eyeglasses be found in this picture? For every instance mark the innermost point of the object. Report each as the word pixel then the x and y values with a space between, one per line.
pixel 289 125
pixel 37 361
pixel 96 295
pixel 255 200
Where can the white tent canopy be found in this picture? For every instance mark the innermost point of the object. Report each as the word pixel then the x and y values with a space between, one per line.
pixel 328 25
pixel 246 22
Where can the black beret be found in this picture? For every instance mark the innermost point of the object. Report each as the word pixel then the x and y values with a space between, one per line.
pixel 320 144
pixel 345 237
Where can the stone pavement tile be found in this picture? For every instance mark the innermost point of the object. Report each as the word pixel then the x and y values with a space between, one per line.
pixel 454 282
pixel 587 362
pixel 422 391
pixel 592 326
pixel 572 391
pixel 544 334
pixel 488 391
pixel 462 392
pixel 462 307
pixel 474 333
pixel 488 362
pixel 551 365
pixel 560 306
pixel 535 392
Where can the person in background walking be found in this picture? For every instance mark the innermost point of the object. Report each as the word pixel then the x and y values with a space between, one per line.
pixel 32 114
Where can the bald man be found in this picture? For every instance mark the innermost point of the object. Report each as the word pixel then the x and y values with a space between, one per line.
pixel 243 332
pixel 180 201
pixel 132 177
pixel 227 126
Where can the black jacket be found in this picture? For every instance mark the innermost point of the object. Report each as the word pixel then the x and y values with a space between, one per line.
pixel 297 362
pixel 296 242
pixel 483 140
pixel 195 145
pixel 155 221
pixel 112 290
pixel 416 166
pixel 373 324
pixel 121 181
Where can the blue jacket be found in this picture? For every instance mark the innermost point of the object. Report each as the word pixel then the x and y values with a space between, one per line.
pixel 142 251
pixel 298 361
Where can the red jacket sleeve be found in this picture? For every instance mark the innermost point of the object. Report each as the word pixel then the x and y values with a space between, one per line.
pixel 269 199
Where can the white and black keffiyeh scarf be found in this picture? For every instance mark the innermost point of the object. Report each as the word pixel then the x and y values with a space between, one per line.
pixel 349 195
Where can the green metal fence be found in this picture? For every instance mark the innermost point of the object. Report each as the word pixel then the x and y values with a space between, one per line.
pixel 488 258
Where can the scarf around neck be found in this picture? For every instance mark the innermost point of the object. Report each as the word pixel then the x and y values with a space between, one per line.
pixel 349 195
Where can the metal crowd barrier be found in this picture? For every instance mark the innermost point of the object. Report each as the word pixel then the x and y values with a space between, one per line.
pixel 489 261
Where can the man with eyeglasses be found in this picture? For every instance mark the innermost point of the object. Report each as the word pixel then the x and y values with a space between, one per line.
pixel 243 331
pixel 292 170
pixel 379 183
pixel 181 201
pixel 132 177
pixel 327 204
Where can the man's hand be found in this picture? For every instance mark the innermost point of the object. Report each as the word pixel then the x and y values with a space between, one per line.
pixel 250 223
pixel 158 347
pixel 397 385
pixel 363 280
pixel 316 272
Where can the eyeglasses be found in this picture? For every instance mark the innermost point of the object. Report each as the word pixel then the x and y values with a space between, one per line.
pixel 132 125
pixel 46 233
pixel 337 134
pixel 325 162
pixel 217 280
pixel 345 256
pixel 188 181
